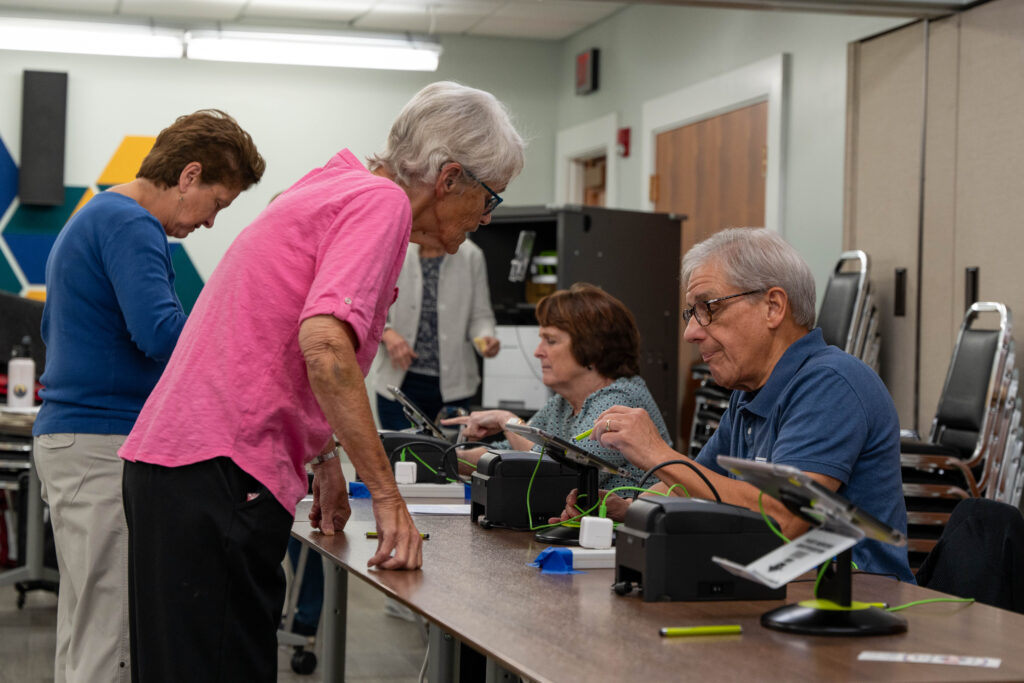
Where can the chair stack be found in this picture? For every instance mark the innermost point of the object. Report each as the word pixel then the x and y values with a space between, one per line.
pixel 710 400
pixel 974 446
pixel 848 317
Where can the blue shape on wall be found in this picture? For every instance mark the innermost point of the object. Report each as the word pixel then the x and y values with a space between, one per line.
pixel 8 178
pixel 32 231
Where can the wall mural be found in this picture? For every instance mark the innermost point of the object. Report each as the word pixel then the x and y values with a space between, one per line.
pixel 27 233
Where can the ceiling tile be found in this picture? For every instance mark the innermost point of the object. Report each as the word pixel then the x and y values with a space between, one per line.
pixel 218 10
pixel 306 10
pixel 99 6
pixel 571 11
pixel 515 27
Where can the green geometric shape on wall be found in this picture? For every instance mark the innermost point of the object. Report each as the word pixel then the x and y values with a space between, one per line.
pixel 8 280
pixel 104 188
pixel 32 230
pixel 44 220
pixel 187 282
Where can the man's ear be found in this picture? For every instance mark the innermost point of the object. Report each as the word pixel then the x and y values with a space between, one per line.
pixel 778 306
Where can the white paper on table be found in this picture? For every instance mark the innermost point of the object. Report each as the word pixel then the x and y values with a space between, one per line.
pixel 789 561
pixel 428 509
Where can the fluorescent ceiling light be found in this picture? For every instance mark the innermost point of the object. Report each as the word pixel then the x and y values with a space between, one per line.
pixel 91 38
pixel 312 49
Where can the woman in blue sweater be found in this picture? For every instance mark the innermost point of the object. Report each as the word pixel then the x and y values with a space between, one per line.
pixel 110 324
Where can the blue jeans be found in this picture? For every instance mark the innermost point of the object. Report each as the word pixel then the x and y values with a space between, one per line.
pixel 425 392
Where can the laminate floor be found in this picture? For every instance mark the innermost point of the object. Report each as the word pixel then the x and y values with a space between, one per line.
pixel 380 648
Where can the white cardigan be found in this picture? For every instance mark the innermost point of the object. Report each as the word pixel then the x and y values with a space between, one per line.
pixel 463 312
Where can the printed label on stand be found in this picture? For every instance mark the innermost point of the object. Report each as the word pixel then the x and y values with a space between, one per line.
pixel 784 564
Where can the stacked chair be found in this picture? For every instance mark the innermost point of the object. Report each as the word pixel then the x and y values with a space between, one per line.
pixel 974 447
pixel 848 319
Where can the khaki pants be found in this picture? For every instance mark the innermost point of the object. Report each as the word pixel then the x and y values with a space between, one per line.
pixel 81 482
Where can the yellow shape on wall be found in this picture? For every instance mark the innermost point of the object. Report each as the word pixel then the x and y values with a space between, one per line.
pixel 36 292
pixel 81 202
pixel 126 161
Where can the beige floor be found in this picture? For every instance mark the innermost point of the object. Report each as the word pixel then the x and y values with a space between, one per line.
pixel 381 649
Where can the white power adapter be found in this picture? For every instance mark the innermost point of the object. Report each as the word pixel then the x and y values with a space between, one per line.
pixel 595 532
pixel 405 472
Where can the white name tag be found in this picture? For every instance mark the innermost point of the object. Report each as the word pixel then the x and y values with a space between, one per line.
pixel 923 658
pixel 784 564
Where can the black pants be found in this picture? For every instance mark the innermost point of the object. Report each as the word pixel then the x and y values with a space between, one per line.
pixel 205 547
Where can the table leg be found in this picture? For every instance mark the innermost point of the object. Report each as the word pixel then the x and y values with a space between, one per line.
pixel 443 656
pixel 333 637
pixel 33 573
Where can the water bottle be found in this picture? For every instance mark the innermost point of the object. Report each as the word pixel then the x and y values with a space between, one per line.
pixel 21 376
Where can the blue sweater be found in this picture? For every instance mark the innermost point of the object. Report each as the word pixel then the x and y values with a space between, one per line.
pixel 111 318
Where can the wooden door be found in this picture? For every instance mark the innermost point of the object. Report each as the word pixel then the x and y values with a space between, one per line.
pixel 713 171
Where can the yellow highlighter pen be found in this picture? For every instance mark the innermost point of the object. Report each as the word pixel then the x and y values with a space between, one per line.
pixel 725 629
pixel 584 435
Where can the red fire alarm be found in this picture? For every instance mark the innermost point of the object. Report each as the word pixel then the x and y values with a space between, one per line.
pixel 586 71
pixel 622 142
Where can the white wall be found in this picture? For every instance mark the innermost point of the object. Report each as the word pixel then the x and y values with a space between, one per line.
pixel 648 51
pixel 298 116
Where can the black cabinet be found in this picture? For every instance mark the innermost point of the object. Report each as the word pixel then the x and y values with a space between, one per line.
pixel 633 255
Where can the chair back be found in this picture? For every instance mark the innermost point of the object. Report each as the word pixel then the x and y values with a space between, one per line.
pixel 841 308
pixel 968 405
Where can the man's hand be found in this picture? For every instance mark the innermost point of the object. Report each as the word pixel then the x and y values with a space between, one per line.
pixel 399 351
pixel 396 534
pixel 631 432
pixel 330 511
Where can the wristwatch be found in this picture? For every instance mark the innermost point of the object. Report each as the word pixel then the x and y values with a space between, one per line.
pixel 329 455
pixel 515 420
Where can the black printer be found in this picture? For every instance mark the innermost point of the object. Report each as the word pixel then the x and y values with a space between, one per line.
pixel 499 485
pixel 665 545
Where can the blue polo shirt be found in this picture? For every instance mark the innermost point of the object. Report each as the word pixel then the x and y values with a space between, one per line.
pixel 824 411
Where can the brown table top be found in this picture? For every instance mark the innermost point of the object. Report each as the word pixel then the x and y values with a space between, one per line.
pixel 476 585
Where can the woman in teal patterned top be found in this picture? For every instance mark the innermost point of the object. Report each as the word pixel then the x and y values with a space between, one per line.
pixel 589 354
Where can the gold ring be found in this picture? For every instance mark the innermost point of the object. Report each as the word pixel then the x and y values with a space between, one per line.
pixel 608 425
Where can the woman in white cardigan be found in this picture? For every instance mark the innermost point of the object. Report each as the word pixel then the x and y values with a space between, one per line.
pixel 441 319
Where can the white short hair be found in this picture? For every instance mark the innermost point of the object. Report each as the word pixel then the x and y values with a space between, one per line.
pixel 757 258
pixel 444 122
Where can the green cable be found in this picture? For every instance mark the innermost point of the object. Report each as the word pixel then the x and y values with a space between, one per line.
pixel 768 520
pixel 422 462
pixel 466 463
pixel 821 573
pixel 924 602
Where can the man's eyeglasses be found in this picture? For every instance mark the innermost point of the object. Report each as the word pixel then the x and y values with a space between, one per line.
pixel 492 202
pixel 701 310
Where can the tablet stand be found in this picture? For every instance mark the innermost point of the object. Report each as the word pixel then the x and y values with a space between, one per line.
pixel 834 613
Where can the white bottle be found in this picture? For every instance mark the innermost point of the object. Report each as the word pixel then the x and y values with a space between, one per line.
pixel 21 376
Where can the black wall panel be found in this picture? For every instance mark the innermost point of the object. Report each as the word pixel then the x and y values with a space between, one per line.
pixel 43 119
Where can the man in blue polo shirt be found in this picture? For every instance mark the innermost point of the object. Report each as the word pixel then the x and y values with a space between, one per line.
pixel 796 401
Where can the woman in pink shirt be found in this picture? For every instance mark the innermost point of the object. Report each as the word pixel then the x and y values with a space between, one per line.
pixel 270 364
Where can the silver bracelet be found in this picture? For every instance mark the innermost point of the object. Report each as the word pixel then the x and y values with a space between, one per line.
pixel 324 457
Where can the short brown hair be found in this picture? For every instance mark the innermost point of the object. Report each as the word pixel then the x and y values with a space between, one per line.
pixel 227 153
pixel 601 329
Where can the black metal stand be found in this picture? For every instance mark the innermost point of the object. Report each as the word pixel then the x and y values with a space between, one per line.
pixel 834 613
pixel 587 496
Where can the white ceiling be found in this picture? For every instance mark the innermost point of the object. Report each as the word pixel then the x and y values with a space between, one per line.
pixel 534 19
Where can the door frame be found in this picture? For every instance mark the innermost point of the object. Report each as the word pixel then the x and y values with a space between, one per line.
pixel 593 138
pixel 765 80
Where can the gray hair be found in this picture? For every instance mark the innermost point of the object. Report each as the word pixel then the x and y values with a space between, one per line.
pixel 757 258
pixel 446 122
